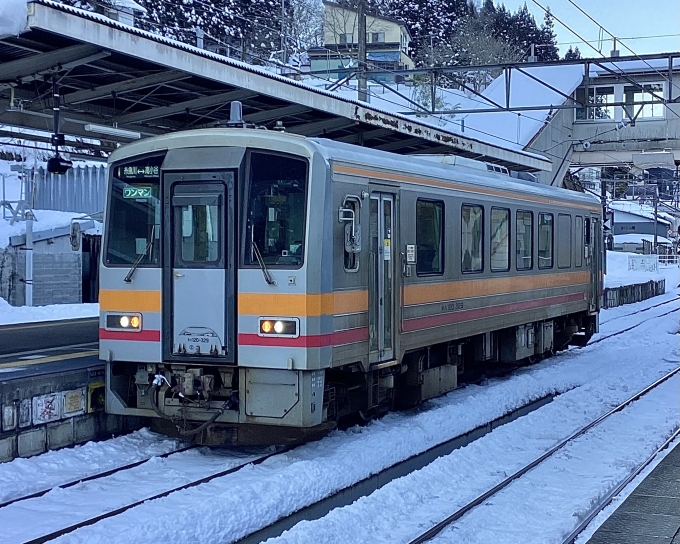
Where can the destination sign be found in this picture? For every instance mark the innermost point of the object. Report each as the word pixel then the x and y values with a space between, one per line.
pixel 137 172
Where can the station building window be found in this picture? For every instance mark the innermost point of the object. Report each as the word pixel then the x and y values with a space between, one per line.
pixel 500 240
pixel 472 238
pixel 430 237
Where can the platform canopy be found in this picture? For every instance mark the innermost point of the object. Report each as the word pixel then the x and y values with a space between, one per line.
pixel 113 75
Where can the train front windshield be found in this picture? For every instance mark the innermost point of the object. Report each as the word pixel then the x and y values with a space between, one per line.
pixel 276 210
pixel 134 214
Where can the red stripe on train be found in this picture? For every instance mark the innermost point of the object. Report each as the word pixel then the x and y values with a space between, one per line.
pixel 420 323
pixel 141 336
pixel 312 341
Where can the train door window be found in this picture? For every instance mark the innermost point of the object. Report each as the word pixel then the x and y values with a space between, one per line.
pixel 524 238
pixel 579 241
pixel 430 237
pixel 545 240
pixel 472 238
pixel 351 259
pixel 563 241
pixel 500 240
pixel 200 233
pixel 586 231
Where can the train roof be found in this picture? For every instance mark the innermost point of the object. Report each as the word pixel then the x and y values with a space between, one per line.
pixel 334 151
pixel 419 166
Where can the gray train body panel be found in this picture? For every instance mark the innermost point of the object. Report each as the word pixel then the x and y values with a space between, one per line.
pixel 365 328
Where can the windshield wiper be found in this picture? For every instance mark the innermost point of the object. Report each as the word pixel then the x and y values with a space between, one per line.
pixel 149 246
pixel 267 275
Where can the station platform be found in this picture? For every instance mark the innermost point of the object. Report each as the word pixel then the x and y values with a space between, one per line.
pixel 651 514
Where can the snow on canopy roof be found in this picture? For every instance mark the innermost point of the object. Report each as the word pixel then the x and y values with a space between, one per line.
pixel 652 65
pixel 515 130
pixel 641 210
pixel 129 5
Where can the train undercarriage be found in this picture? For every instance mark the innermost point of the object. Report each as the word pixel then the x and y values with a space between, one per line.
pixel 203 403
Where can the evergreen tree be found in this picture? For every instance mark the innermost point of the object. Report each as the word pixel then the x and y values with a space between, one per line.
pixel 548 49
pixel 572 54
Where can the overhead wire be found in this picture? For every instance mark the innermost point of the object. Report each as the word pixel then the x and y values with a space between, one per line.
pixel 621 72
pixel 621 42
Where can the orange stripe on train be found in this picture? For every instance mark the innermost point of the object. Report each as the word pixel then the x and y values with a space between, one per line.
pixel 129 300
pixel 439 292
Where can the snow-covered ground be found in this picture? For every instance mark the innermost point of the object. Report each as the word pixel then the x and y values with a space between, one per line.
pixel 25 314
pixel 591 381
pixel 618 273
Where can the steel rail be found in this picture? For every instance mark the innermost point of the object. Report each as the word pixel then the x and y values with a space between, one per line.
pixel 434 531
pixel 641 310
pixel 91 477
pixel 122 509
pixel 614 492
pixel 627 329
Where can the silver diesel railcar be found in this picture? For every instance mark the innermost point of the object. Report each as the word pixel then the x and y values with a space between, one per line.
pixel 258 286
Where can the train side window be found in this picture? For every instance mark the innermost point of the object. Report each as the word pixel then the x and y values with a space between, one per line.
pixel 430 237
pixel 524 238
pixel 351 259
pixel 500 240
pixel 545 240
pixel 586 231
pixel 472 238
pixel 563 241
pixel 579 241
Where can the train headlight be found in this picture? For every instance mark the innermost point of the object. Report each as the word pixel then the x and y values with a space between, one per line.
pixel 287 327
pixel 124 322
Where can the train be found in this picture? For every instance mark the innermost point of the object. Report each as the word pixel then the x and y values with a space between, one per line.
pixel 258 287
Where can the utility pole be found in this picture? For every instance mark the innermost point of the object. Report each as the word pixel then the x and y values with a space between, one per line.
pixel 656 215
pixel 363 94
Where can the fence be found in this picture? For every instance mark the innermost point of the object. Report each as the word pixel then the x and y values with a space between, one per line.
pixel 628 294
pixel 82 189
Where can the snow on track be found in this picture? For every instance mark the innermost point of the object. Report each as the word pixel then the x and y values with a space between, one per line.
pixel 540 502
pixel 25 476
pixel 90 499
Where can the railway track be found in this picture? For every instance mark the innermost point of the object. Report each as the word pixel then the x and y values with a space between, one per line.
pixel 92 477
pixel 459 513
pixel 628 329
pixel 117 511
pixel 642 310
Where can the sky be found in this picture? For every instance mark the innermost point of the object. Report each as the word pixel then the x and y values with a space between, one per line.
pixel 623 18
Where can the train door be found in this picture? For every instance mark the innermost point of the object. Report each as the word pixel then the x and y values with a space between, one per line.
pixel 592 250
pixel 199 284
pixel 381 277
pixel 596 266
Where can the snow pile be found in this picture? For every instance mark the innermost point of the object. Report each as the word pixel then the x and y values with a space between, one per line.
pixel 25 314
pixel 13 17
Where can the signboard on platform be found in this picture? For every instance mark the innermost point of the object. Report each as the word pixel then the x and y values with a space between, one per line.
pixel 46 408
pixel 74 402
pixel 643 263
